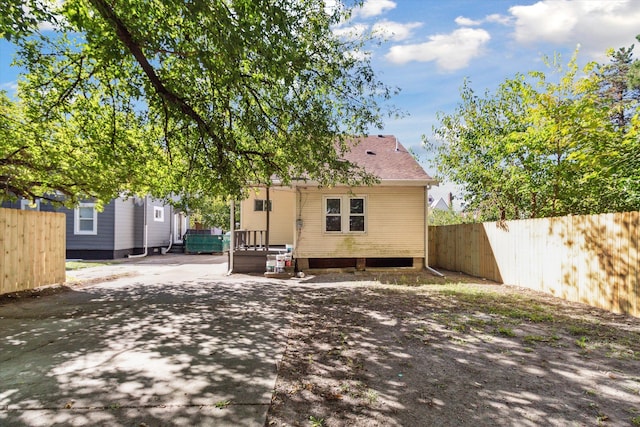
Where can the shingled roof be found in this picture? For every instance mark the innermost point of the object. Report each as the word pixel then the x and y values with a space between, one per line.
pixel 384 157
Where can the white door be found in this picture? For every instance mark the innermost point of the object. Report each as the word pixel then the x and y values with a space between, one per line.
pixel 179 227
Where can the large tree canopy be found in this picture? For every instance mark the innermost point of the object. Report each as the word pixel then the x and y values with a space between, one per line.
pixel 545 145
pixel 182 97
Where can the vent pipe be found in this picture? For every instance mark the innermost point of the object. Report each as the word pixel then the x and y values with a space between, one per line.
pixel 396 143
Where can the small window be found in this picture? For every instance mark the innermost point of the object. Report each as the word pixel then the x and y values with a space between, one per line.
pixel 29 205
pixel 350 219
pixel 158 213
pixel 333 218
pixel 260 205
pixel 356 215
pixel 86 219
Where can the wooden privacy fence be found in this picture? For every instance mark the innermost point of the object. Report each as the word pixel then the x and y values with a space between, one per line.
pixel 32 249
pixel 590 259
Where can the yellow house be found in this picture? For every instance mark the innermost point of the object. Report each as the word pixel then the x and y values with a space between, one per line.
pixel 379 226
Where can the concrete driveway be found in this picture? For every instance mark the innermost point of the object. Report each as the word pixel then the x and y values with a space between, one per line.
pixel 168 340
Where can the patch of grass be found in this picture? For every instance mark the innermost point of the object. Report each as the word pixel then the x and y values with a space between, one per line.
pixel 635 421
pixel 507 332
pixel 510 306
pixel 531 339
pixel 578 330
pixel 77 265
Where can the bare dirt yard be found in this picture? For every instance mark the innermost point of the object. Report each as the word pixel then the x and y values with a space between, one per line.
pixel 415 350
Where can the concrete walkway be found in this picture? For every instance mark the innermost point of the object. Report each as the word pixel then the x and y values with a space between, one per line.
pixel 166 341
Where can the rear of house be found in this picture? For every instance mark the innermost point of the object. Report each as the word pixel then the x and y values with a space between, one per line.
pixel 379 226
pixel 364 227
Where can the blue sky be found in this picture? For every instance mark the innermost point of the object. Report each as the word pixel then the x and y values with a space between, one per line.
pixel 433 45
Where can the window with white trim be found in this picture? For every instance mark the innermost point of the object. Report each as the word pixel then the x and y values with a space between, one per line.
pixel 86 219
pixel 345 214
pixel 28 205
pixel 261 205
pixel 158 213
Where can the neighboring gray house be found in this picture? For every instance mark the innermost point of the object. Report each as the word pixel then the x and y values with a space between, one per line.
pixel 124 227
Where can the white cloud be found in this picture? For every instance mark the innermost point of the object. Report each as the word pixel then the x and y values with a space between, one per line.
pixel 10 87
pixel 499 19
pixel 598 24
pixel 372 8
pixel 466 22
pixel 449 51
pixel 395 30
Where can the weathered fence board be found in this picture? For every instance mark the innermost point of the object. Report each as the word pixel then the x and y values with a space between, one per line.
pixel 32 249
pixel 592 259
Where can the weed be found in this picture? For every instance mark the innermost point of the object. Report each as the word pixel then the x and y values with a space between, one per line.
pixel 316 422
pixel 222 404
pixel 582 342
pixel 371 396
pixel 635 421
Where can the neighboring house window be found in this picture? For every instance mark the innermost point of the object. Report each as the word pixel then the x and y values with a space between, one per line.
pixel 86 219
pixel 28 205
pixel 158 213
pixel 344 214
pixel 261 205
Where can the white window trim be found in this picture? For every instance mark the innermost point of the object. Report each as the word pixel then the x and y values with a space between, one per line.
pixel 158 210
pixel 76 219
pixel 345 207
pixel 26 205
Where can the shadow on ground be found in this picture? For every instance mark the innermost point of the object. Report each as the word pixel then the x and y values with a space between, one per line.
pixel 192 353
pixel 446 354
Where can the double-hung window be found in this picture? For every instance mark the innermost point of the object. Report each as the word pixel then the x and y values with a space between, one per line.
pixel 86 219
pixel 158 214
pixel 344 214
pixel 260 205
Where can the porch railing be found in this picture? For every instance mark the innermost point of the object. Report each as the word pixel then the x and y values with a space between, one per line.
pixel 250 240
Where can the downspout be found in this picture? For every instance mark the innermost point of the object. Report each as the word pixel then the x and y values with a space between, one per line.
pixel 145 231
pixel 232 236
pixel 426 234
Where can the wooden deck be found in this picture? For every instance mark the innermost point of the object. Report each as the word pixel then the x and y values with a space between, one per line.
pixel 253 260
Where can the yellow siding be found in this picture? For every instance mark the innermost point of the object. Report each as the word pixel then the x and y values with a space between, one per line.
pixel 281 218
pixel 395 225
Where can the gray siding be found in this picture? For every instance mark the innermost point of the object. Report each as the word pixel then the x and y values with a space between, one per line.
pixel 101 241
pixel 125 225
pixel 159 231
